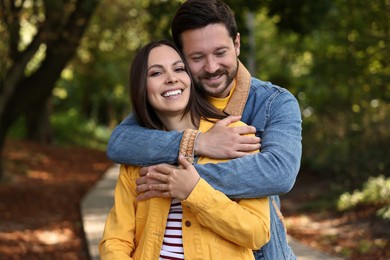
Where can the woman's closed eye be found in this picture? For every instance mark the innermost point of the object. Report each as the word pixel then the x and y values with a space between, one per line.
pixel 180 69
pixel 155 73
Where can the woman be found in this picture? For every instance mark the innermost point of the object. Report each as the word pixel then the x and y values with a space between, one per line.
pixel 199 222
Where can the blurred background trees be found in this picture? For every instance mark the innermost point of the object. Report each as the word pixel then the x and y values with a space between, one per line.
pixel 38 40
pixel 332 55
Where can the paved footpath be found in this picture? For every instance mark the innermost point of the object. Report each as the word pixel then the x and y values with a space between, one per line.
pixel 98 201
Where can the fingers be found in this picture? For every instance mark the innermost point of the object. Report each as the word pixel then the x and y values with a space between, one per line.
pixel 243 130
pixel 141 180
pixel 238 129
pixel 183 162
pixel 155 175
pixel 142 188
pixel 147 191
pixel 144 170
pixel 148 179
pixel 152 182
pixel 228 120
pixel 164 169
pixel 143 183
pixel 248 148
pixel 249 139
pixel 168 181
pixel 150 194
pixel 153 191
pixel 246 144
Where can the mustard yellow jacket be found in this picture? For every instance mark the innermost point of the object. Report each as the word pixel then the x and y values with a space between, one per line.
pixel 213 226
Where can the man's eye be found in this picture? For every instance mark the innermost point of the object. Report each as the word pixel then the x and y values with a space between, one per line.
pixel 196 58
pixel 220 53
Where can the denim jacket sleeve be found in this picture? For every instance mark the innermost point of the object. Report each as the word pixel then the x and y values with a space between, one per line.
pixel 135 145
pixel 271 172
pixel 274 170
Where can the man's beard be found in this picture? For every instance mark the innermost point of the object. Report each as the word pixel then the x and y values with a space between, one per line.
pixel 208 88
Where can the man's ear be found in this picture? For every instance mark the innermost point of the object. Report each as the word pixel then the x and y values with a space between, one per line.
pixel 237 44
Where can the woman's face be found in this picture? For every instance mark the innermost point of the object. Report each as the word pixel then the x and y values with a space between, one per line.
pixel 168 84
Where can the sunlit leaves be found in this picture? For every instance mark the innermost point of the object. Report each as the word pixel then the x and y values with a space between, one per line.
pixel 333 55
pixel 376 191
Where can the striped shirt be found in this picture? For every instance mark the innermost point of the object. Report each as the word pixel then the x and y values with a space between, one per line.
pixel 172 247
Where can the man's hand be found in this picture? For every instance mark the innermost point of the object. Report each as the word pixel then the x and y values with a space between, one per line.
pixel 223 142
pixel 168 181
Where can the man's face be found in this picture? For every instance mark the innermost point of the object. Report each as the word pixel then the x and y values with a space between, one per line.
pixel 212 58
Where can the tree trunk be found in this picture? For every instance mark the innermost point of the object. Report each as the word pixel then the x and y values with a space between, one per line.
pixel 20 95
pixel 5 123
pixel 38 127
pixel 251 60
pixel 2 139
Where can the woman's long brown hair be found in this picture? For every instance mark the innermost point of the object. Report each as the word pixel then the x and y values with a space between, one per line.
pixel 198 106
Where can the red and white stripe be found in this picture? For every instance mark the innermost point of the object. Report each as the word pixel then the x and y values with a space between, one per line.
pixel 172 247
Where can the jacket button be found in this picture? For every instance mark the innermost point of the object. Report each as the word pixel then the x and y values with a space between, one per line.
pixel 188 223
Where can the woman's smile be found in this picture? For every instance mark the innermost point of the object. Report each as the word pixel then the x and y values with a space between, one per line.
pixel 172 93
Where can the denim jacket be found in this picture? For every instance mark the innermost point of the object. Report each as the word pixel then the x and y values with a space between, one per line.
pixel 276 115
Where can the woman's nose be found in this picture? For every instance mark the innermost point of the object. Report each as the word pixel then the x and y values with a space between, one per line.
pixel 171 78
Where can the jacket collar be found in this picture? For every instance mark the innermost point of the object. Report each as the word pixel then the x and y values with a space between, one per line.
pixel 240 95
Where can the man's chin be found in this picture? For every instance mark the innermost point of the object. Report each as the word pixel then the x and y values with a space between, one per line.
pixel 215 91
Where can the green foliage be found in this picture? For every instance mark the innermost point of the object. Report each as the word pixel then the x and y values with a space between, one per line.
pixel 301 17
pixel 70 128
pixel 332 55
pixel 384 212
pixel 18 130
pixel 318 201
pixel 160 18
pixel 339 72
pixel 376 191
pixel 345 96
pixel 346 146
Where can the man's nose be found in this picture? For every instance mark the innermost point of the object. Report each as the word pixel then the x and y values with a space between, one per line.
pixel 211 65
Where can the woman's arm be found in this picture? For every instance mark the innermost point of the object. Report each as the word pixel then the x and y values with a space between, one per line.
pixel 245 223
pixel 118 236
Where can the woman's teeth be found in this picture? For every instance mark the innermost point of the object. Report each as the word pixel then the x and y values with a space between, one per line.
pixel 172 93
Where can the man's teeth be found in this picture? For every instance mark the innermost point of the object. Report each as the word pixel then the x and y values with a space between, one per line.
pixel 172 93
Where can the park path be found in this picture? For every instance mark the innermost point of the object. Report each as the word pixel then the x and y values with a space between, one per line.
pixel 98 201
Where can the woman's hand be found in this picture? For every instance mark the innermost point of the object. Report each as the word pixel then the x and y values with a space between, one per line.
pixel 172 181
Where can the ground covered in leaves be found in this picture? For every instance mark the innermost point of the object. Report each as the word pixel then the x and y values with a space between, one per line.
pixel 40 214
pixel 39 200
pixel 354 234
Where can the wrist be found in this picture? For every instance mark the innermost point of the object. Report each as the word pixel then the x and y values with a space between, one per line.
pixel 187 144
pixel 197 143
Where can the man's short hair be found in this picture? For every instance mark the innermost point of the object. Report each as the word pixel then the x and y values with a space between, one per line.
pixel 195 14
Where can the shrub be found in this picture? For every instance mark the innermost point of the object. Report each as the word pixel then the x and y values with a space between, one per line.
pixel 376 192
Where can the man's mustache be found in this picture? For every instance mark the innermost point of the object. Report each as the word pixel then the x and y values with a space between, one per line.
pixel 206 75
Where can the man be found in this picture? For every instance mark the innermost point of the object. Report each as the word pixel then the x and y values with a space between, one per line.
pixel 206 32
